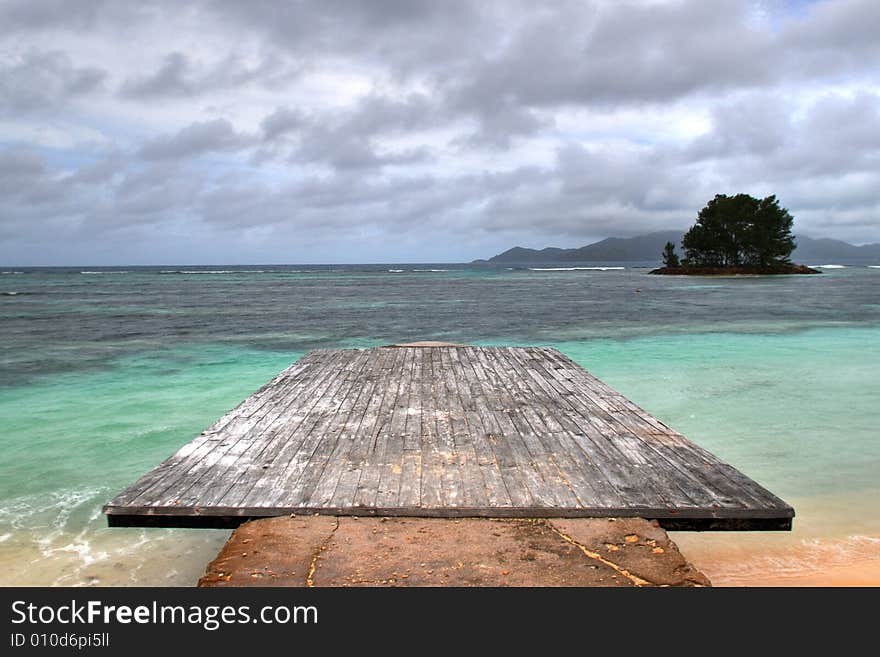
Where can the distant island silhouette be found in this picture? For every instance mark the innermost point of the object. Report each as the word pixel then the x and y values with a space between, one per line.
pixel 647 248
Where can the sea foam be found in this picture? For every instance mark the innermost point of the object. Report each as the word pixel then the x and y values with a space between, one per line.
pixel 575 268
pixel 213 271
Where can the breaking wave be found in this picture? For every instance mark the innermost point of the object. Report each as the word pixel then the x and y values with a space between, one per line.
pixel 212 271
pixel 576 268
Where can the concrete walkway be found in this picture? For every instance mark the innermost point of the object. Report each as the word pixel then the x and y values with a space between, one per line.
pixel 352 551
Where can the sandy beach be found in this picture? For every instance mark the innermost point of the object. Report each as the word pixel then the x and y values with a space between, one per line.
pixel 753 561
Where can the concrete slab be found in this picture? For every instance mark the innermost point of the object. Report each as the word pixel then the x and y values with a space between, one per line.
pixel 353 551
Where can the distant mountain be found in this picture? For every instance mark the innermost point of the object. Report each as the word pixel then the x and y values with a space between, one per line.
pixel 643 247
pixel 647 248
pixel 832 251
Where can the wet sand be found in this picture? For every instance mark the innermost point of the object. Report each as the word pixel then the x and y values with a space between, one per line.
pixel 105 557
pixel 757 561
pixel 835 541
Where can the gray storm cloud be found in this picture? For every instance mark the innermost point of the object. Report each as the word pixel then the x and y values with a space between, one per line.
pixel 407 130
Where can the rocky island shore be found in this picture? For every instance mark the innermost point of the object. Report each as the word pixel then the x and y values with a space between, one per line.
pixel 739 270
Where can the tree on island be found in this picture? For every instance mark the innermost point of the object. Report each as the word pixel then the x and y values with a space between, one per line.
pixel 670 259
pixel 734 231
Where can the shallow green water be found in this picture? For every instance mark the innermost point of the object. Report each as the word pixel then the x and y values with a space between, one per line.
pixel 792 404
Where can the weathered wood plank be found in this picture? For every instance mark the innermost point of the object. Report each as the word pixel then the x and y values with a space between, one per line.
pixel 277 434
pixel 431 472
pixel 529 462
pixel 585 424
pixel 371 470
pixel 573 467
pixel 287 466
pixel 487 404
pixel 388 491
pixel 535 434
pixel 293 484
pixel 587 480
pixel 474 485
pixel 362 443
pixel 470 392
pixel 411 467
pixel 451 476
pixel 338 460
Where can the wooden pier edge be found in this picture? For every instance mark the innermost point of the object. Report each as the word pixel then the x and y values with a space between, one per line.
pixel 230 519
pixel 444 431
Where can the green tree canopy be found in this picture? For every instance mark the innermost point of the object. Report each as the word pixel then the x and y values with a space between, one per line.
pixel 670 258
pixel 740 230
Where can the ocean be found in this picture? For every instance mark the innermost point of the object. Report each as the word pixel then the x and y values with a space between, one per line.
pixel 105 371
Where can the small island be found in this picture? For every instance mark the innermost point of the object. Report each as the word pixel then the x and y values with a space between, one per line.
pixel 736 235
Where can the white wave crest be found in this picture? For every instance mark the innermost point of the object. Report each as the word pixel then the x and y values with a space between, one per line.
pixel 830 267
pixel 575 268
pixel 221 271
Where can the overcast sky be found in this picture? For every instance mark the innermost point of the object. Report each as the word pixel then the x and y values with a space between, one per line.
pixel 404 131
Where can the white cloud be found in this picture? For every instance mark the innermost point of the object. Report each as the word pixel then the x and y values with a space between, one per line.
pixel 426 130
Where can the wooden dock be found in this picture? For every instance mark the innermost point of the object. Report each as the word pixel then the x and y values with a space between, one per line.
pixel 444 431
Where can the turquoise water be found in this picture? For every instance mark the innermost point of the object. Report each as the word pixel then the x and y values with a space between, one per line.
pixel 96 391
pixel 74 440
